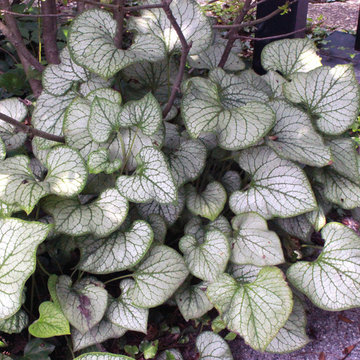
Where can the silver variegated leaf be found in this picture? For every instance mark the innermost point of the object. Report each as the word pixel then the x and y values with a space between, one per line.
pixel 225 105
pixel 117 252
pixel 256 310
pixel 58 78
pixel 276 82
pixel 252 242
pixel 91 45
pixel 101 332
pixel 207 259
pixel 209 203
pixel 15 324
pixel 173 352
pixel 99 161
pixel 100 217
pixel 292 336
pixel 297 226
pixel 10 138
pixel 170 213
pixel 192 21
pixel 18 243
pixel 290 56
pixel 294 137
pixel 158 277
pixel 192 300
pixel 279 188
pixel 330 94
pixel 158 226
pixel 231 181
pixel 152 180
pixel 212 346
pixel 332 281
pixel 244 273
pixel 188 162
pixel 102 356
pixel 122 312
pixel 83 303
pixel 66 176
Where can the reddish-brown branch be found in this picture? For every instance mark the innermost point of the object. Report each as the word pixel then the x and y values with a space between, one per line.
pixel 239 19
pixel 185 46
pixel 30 130
pixel 49 27
pixel 119 16
pixel 270 37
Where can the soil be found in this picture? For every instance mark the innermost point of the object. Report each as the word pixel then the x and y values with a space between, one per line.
pixel 340 15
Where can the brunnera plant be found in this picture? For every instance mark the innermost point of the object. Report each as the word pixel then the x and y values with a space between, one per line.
pixel 206 195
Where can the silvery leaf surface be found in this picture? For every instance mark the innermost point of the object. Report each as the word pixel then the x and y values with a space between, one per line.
pixel 212 346
pixel 117 252
pixel 207 259
pixel 18 244
pixel 294 137
pixel 290 56
pixel 91 45
pixel 209 203
pixel 255 310
pixel 330 94
pixel 279 188
pixel 152 180
pixel 123 313
pixel 83 303
pixel 158 276
pixel 100 217
pixel 332 281
pixel 253 243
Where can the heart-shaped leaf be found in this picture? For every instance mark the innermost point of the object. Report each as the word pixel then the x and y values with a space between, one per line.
pixel 231 181
pixel 122 312
pixel 256 310
pixel 152 181
pixel 158 276
pixel 297 226
pixel 18 243
pixel 170 213
pixel 15 324
pixel 51 322
pixel 330 94
pixel 209 203
pixel 91 45
pixel 66 177
pixel 212 346
pixel 283 193
pixel 172 354
pixel 100 217
pixel 192 301
pixel 208 259
pixel 187 162
pixel 99 161
pixel 253 243
pixel 332 281
pixel 10 138
pixel 192 21
pixel 119 251
pixel 58 78
pixel 292 336
pixel 290 56
pixel 83 303
pixel 294 138
pixel 101 332
pixel 225 105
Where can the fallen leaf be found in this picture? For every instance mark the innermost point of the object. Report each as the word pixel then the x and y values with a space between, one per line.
pixel 322 356
pixel 345 319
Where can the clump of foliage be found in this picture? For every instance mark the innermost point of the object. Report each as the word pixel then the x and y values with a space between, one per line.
pixel 204 200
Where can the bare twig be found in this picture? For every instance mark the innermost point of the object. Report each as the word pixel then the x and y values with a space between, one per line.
pixel 270 37
pixel 239 19
pixel 239 26
pixel 185 51
pixel 30 130
pixel 48 7
pixel 119 16
pixel 34 15
pixel 126 8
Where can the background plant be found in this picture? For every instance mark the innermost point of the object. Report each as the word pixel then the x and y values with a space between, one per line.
pixel 161 171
